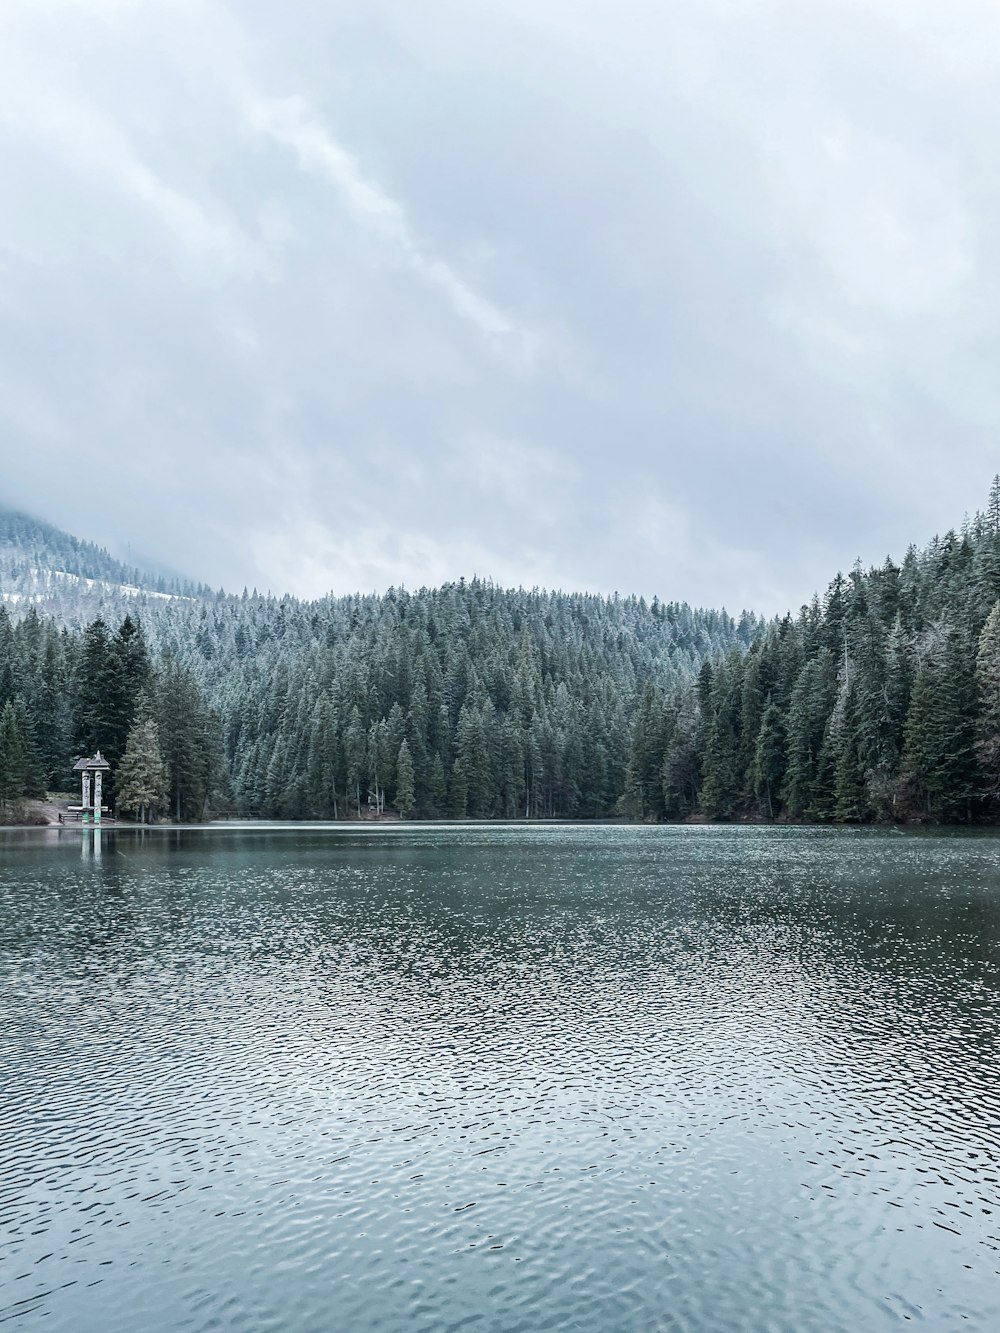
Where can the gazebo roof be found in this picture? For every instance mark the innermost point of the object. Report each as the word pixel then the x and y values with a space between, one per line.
pixel 91 765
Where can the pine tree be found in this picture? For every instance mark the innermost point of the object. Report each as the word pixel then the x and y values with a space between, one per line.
pixel 96 690
pixel 189 742
pixel 681 773
pixel 721 778
pixel 321 764
pixel 940 775
pixel 919 758
pixel 850 804
pixel 438 786
pixel 142 777
pixel 769 756
pixel 988 678
pixel 32 774
pixel 405 781
pixel 11 759
pixel 811 704
pixel 992 514
pixel 960 782
pixel 356 754
pixel 378 763
pixel 644 770
pixel 10 663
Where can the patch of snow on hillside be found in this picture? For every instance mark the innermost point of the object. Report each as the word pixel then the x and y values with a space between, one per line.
pixel 44 580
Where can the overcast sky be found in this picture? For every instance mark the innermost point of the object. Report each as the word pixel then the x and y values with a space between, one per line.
pixel 698 299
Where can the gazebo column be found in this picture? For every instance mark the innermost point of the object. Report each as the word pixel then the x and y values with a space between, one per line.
pixel 97 796
pixel 85 814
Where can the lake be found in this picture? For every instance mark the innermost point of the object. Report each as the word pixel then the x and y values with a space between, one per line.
pixel 499 1078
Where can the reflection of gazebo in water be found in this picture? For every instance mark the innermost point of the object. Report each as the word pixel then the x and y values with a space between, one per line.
pixel 92 774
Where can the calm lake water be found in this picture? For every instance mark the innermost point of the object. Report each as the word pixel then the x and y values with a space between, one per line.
pixel 432 1078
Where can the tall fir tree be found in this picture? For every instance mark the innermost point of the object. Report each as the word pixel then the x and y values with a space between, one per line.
pixel 142 777
pixel 406 798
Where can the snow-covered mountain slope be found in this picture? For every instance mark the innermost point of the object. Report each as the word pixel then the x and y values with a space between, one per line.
pixel 70 579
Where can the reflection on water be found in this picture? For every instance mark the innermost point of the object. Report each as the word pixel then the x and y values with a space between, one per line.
pixel 500 1078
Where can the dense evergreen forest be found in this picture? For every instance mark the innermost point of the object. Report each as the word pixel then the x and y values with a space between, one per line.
pixel 64 694
pixel 882 702
pixel 879 702
pixel 465 700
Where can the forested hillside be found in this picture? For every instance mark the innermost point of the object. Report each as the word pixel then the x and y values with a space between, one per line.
pixel 463 700
pixel 879 702
pixel 882 702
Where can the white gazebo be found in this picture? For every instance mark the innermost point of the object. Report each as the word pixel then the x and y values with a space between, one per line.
pixel 92 777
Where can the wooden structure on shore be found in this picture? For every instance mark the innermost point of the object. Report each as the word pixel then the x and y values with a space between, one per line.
pixel 91 772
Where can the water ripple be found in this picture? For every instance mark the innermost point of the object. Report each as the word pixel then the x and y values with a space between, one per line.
pixel 500 1078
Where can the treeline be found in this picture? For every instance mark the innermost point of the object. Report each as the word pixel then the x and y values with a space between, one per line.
pixel 880 703
pixel 65 694
pixel 461 701
pixel 464 701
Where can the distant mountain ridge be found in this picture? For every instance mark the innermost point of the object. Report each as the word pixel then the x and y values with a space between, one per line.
pixel 72 579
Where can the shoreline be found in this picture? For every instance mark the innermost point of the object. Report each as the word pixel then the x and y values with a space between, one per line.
pixel 366 825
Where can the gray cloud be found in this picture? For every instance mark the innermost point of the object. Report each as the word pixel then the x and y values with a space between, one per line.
pixel 695 299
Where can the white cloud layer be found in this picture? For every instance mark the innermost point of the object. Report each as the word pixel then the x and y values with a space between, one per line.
pixel 289 122
pixel 691 298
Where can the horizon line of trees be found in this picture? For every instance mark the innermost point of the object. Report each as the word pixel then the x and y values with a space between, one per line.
pixel 879 702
